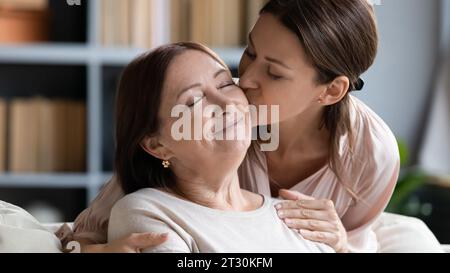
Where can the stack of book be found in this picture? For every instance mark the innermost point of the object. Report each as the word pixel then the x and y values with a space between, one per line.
pixel 24 21
pixel 24 4
pixel 134 23
pixel 150 23
pixel 43 135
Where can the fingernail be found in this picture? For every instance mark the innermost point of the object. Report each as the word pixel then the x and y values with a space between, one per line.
pixel 288 221
pixel 278 206
pixel 281 213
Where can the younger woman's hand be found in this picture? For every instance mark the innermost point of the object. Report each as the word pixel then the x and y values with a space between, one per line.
pixel 133 243
pixel 315 220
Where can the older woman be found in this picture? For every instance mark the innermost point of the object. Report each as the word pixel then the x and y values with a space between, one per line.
pixel 189 188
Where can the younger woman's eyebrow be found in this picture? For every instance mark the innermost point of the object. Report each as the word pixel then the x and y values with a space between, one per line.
pixel 272 60
pixel 269 59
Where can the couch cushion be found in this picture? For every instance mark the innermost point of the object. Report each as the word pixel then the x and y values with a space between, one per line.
pixel 21 232
pixel 402 234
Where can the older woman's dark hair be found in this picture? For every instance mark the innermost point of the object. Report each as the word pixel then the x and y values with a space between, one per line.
pixel 137 106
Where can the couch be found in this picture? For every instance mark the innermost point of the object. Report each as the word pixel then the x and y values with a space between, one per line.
pixel 21 232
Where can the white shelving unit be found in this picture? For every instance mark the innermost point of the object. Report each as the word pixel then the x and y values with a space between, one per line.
pixel 84 55
pixel 94 57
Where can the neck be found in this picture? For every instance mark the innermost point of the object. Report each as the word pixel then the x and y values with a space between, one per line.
pixel 304 133
pixel 217 193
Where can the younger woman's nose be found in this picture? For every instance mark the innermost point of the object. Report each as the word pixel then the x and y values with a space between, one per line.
pixel 248 80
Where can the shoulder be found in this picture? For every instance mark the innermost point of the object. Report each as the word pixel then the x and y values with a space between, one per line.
pixel 146 211
pixel 139 212
pixel 376 158
pixel 142 200
pixel 375 142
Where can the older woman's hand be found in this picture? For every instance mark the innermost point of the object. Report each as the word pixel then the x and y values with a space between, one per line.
pixel 315 220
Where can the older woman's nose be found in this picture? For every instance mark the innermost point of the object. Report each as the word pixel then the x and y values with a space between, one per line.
pixel 222 104
pixel 220 100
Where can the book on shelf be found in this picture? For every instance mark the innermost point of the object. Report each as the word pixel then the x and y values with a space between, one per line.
pixel 140 25
pixel 252 12
pixel 2 135
pixel 150 23
pixel 218 23
pixel 135 23
pixel 23 141
pixel 76 136
pixel 51 134
pixel 24 4
pixel 160 19
pixel 24 21
pixel 112 20
pixel 179 20
pixel 47 136
pixel 123 21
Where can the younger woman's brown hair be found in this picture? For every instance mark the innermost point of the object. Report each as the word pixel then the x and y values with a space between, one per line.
pixel 340 38
pixel 138 102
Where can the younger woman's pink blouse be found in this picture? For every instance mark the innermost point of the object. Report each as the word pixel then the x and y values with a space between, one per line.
pixel 371 173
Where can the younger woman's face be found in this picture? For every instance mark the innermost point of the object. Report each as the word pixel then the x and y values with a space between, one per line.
pixel 274 70
pixel 211 106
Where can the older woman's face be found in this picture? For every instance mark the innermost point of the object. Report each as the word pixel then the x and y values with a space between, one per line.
pixel 202 105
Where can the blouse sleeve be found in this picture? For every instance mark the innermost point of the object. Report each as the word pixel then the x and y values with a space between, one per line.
pixel 374 190
pixel 130 216
pixel 92 223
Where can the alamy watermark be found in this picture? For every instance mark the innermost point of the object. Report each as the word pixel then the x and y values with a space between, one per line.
pixel 212 122
pixel 73 2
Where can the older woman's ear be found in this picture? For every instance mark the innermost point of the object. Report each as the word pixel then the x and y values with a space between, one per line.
pixel 153 147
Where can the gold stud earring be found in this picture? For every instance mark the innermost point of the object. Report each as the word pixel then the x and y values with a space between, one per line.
pixel 166 164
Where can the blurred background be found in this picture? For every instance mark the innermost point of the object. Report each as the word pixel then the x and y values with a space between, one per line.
pixel 60 61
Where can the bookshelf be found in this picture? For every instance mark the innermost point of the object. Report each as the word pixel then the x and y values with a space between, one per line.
pixel 96 71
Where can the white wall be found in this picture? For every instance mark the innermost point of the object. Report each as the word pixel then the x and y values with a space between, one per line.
pixel 399 85
pixel 445 25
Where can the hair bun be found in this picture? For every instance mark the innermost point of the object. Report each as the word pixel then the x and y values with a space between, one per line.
pixel 359 85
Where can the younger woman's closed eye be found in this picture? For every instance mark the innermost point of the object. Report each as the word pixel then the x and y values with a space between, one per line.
pixel 273 76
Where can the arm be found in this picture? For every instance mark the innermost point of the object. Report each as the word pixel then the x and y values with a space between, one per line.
pixel 378 185
pixel 319 221
pixel 91 226
pixel 133 217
